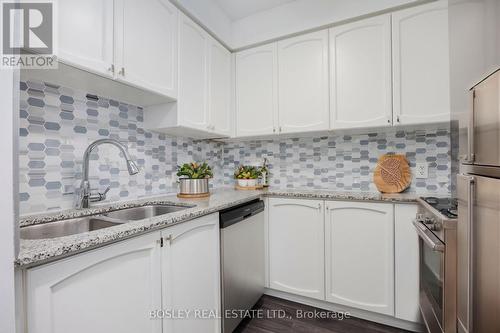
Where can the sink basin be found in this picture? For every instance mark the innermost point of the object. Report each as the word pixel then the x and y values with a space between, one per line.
pixel 66 227
pixel 144 212
pixel 96 222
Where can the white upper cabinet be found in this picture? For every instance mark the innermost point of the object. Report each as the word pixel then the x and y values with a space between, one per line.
pixel 219 89
pixel 203 107
pixel 421 64
pixel 296 246
pixel 303 83
pixel 112 289
pixel 86 39
pixel 146 44
pixel 193 75
pixel 360 74
pixel 359 239
pixel 257 91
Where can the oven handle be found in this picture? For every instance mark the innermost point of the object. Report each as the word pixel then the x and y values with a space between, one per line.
pixel 428 237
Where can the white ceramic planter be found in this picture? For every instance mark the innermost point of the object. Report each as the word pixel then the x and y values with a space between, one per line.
pixel 247 182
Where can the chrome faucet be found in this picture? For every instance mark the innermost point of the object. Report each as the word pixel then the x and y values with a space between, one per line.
pixel 84 194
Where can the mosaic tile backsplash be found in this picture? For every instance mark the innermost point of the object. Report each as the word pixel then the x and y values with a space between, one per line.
pixel 58 123
pixel 346 162
pixel 56 126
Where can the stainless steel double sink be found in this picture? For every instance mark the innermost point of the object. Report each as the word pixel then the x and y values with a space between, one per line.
pixel 95 222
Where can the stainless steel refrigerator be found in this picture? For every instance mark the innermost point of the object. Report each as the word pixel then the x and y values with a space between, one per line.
pixel 478 193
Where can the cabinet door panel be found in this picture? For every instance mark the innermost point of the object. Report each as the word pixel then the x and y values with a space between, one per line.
pixel 256 91
pixel 303 83
pixel 360 255
pixel 147 44
pixel 296 246
pixel 191 273
pixel 421 64
pixel 86 34
pixel 220 89
pixel 361 80
pixel 112 289
pixel 193 75
pixel 407 263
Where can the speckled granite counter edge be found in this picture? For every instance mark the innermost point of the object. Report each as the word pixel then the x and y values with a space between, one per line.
pixel 38 252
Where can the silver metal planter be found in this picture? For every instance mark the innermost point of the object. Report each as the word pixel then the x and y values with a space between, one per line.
pixel 193 186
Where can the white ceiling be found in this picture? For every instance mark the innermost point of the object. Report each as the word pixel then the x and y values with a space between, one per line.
pixel 237 9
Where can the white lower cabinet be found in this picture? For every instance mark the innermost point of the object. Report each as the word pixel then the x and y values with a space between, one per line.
pixel 296 246
pixel 360 255
pixel 407 263
pixel 363 255
pixel 115 288
pixel 112 289
pixel 191 275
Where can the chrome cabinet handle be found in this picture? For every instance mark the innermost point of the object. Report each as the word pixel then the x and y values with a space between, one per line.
pixel 111 68
pixel 319 206
pixel 274 130
pixel 169 239
pixel 397 119
pixel 122 71
pixel 428 237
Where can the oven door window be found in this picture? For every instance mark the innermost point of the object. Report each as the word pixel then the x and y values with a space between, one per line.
pixel 431 277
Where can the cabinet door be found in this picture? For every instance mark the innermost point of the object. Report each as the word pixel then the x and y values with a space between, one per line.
pixel 407 263
pixel 361 74
pixel 191 274
pixel 257 91
pixel 360 255
pixel 86 34
pixel 303 83
pixel 220 88
pixel 146 44
pixel 296 246
pixel 112 289
pixel 421 64
pixel 193 75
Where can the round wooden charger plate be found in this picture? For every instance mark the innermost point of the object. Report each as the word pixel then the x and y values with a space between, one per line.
pixel 392 174
pixel 193 196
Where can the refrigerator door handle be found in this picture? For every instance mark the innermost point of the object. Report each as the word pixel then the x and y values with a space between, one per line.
pixel 470 257
pixel 470 128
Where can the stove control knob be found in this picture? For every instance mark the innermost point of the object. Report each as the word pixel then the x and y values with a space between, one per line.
pixel 420 217
pixel 430 223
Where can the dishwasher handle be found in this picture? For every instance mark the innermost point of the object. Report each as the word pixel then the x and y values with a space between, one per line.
pixel 240 213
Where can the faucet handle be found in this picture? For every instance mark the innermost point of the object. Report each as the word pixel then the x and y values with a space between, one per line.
pixel 98 196
pixel 103 194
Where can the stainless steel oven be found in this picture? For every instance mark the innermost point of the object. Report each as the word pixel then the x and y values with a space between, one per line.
pixel 437 245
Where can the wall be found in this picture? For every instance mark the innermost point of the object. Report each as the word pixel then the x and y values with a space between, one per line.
pixel 210 16
pixel 346 162
pixel 8 232
pixel 301 15
pixel 58 123
pixel 280 21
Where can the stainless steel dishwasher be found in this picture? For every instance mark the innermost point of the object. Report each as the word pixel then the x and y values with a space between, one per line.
pixel 242 260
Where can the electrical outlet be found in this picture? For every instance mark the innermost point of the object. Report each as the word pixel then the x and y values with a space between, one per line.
pixel 421 170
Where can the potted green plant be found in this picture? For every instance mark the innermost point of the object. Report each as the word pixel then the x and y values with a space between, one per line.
pixel 193 178
pixel 247 175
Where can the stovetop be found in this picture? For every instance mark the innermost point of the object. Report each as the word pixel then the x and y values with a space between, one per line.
pixel 446 206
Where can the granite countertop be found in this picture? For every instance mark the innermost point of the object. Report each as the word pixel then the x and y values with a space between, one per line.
pixel 36 252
